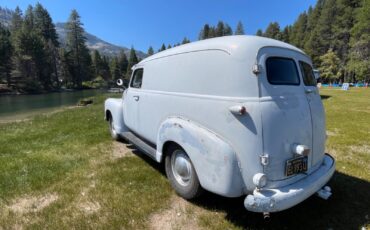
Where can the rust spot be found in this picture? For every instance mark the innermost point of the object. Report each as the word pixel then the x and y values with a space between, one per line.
pixel 178 125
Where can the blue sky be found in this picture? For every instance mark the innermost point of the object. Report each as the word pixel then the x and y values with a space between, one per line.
pixel 143 23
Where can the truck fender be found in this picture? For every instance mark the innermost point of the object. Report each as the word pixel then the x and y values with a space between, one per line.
pixel 114 107
pixel 214 160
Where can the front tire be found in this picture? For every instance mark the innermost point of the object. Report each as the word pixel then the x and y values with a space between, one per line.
pixel 181 173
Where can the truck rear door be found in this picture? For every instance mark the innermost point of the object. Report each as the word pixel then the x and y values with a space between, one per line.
pixel 317 111
pixel 285 113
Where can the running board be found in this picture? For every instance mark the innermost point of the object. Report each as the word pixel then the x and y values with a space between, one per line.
pixel 140 144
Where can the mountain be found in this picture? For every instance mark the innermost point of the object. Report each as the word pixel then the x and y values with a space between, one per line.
pixel 92 41
pixel 95 43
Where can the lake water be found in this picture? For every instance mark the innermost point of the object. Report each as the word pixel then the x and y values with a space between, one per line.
pixel 15 107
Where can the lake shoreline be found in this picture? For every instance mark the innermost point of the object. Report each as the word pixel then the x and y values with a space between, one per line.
pixel 7 92
pixel 22 106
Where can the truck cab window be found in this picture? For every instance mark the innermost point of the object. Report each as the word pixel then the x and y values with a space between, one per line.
pixel 282 71
pixel 137 78
pixel 307 74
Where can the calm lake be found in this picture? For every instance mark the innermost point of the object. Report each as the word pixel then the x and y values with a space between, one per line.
pixel 15 107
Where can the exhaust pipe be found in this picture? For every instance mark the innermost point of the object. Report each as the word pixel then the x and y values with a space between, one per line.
pixel 266 216
pixel 324 193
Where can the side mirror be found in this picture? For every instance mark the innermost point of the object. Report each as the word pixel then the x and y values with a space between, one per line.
pixel 316 73
pixel 119 82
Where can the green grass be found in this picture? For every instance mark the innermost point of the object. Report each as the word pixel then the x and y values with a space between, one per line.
pixel 69 154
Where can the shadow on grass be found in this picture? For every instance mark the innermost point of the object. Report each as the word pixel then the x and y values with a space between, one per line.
pixel 347 208
pixel 324 97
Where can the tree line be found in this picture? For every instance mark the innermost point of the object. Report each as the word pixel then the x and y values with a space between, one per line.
pixel 336 34
pixel 33 60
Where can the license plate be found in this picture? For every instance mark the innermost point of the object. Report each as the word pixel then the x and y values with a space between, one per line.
pixel 295 166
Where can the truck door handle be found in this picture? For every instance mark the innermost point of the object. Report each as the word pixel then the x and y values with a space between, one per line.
pixel 136 98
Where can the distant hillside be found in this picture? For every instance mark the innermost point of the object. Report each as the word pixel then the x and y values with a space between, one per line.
pixel 93 42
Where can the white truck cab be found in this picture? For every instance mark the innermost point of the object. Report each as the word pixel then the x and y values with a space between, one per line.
pixel 236 115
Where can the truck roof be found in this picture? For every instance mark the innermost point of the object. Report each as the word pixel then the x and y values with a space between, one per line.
pixel 232 45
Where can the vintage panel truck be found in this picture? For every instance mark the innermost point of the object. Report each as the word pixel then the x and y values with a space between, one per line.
pixel 236 115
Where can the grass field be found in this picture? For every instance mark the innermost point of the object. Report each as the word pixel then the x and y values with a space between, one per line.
pixel 62 171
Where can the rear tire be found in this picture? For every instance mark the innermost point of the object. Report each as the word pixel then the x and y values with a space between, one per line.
pixel 181 173
pixel 112 130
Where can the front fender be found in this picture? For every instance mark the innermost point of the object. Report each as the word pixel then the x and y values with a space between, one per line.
pixel 115 107
pixel 214 160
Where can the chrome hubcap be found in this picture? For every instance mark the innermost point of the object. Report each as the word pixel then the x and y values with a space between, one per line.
pixel 181 167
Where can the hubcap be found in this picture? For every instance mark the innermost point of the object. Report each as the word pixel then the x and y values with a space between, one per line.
pixel 181 167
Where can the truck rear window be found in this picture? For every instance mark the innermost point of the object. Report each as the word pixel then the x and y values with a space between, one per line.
pixel 307 74
pixel 282 71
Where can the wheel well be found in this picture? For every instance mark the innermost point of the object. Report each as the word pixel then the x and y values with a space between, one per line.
pixel 166 146
pixel 108 115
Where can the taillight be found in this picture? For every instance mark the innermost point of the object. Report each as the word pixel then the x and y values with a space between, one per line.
pixel 238 110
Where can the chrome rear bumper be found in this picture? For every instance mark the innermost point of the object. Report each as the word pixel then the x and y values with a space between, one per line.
pixel 278 199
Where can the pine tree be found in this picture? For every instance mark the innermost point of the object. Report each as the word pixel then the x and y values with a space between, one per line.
pixel 79 52
pixel 97 63
pixel 6 52
pixel 239 29
pixel 45 28
pixel 227 30
pixel 105 71
pixel 204 33
pixel 28 22
pixel 286 34
pixel 114 69
pixel 163 47
pixel 259 33
pixel 150 51
pixel 220 29
pixel 273 31
pixel 359 61
pixel 30 55
pixel 298 32
pixel 321 37
pixel 133 60
pixel 185 41
pixel 169 46
pixel 66 68
pixel 122 63
pixel 17 21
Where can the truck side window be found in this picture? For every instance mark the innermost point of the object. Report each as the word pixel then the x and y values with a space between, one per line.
pixel 137 79
pixel 282 71
pixel 307 74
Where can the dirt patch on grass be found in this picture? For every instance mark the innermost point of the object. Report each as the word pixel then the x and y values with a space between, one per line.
pixel 89 207
pixel 334 132
pixel 32 204
pixel 360 148
pixel 120 150
pixel 180 215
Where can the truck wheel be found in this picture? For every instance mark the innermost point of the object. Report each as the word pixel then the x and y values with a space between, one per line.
pixel 112 130
pixel 181 174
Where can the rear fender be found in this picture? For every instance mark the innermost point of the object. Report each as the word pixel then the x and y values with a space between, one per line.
pixel 214 160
